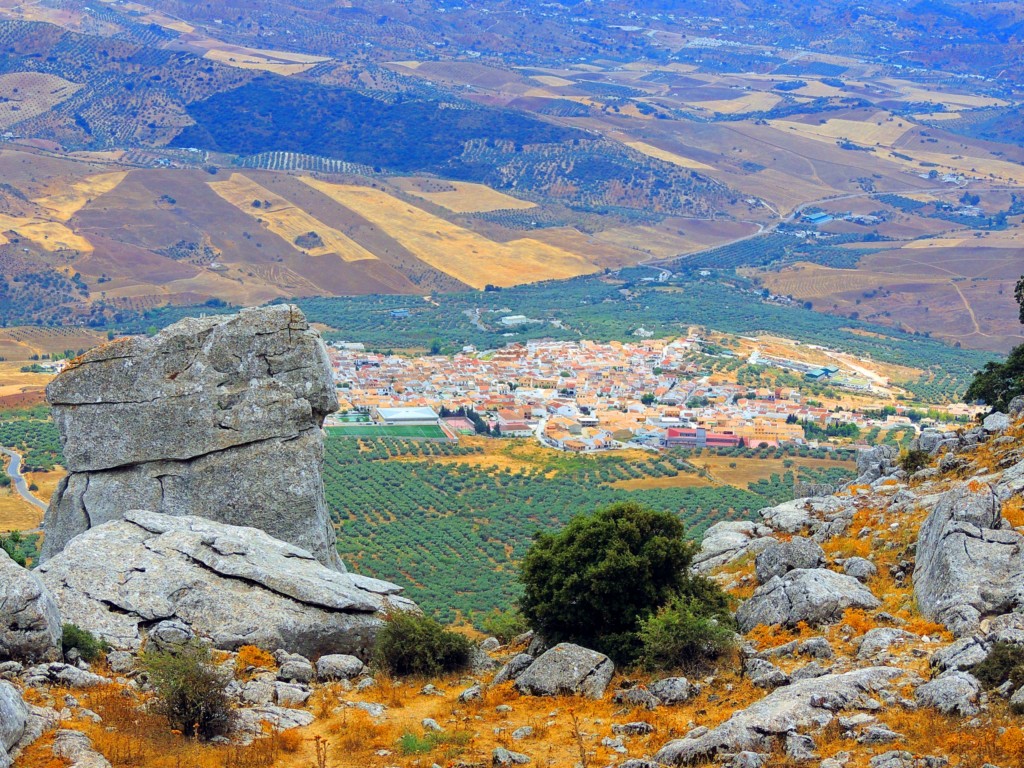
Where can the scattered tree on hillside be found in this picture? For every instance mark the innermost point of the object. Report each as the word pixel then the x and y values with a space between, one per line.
pixel 604 575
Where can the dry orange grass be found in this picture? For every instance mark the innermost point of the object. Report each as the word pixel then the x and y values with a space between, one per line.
pixel 456 251
pixel 249 656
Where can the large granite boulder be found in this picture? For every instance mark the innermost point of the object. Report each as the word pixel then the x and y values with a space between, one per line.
pixel 567 669
pixel 219 417
pixel 816 595
pixel 30 626
pixel 13 721
pixel 233 586
pixel 969 564
pixel 805 704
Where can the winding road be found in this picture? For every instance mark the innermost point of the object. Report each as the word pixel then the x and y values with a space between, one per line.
pixel 14 470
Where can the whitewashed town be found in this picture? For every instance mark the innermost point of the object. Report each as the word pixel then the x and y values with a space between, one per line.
pixel 586 396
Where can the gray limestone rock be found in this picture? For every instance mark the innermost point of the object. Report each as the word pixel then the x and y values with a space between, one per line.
pixel 764 674
pixel 217 417
pixel 996 422
pixel 234 586
pixel 673 690
pixel 968 565
pixel 338 666
pixel 881 639
pixel 817 596
pixel 567 669
pixel 636 697
pixel 729 540
pixel 860 568
pixel 951 693
pixel 502 756
pixel 77 748
pixel 62 675
pixel 30 625
pixel 802 705
pixel 14 716
pixel 780 557
pixel 513 668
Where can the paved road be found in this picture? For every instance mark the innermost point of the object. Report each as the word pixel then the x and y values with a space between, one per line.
pixel 14 470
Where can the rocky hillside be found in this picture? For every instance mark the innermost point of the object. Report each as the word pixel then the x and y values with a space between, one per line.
pixel 883 627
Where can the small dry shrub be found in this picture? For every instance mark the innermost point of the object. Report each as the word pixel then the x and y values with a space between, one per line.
pixel 251 656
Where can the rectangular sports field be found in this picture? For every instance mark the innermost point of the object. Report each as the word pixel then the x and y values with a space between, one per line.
pixel 425 432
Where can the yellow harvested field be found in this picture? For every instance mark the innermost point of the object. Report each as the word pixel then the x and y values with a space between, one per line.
pixel 285 220
pixel 878 130
pixel 936 242
pixel 18 344
pixel 459 252
pixel 912 92
pixel 669 157
pixel 278 62
pixel 46 482
pixel 48 235
pixel 16 514
pixel 551 80
pixel 64 205
pixel 24 95
pixel 817 89
pixel 467 197
pixel 407 64
pixel 752 101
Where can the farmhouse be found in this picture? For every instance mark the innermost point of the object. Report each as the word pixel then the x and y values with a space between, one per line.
pixel 407 417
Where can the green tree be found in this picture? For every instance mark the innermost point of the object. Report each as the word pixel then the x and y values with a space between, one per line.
pixel 597 579
pixel 647 398
pixel 998 383
pixel 190 691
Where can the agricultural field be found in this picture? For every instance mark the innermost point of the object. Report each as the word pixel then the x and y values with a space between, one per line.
pixel 461 253
pixel 461 196
pixel 424 432
pixel 24 95
pixel 449 522
pixel 286 220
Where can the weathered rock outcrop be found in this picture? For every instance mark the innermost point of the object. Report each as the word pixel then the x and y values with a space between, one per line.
pixel 229 584
pixel 30 626
pixel 817 596
pixel 218 417
pixel 13 721
pixel 970 564
pixel 567 669
pixel 805 704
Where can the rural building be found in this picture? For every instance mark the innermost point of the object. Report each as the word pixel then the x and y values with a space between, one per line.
pixel 410 417
pixel 699 437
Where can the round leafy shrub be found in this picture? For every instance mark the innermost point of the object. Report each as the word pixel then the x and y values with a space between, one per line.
pixel 686 633
pixel 504 625
pixel 597 579
pixel 413 644
pixel 88 645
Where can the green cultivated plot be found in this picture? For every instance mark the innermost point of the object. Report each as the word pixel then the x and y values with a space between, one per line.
pixel 452 534
pixel 425 431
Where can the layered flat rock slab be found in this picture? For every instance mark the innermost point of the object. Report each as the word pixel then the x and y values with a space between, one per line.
pixel 814 595
pixel 219 417
pixel 232 585
pixel 30 625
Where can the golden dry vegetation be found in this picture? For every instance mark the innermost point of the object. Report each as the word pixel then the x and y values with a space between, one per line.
pixel 74 196
pixel 462 196
pixel 454 250
pixel 286 220
pixel 669 157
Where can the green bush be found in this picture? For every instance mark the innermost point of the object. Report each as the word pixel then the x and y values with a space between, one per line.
pixel 1005 662
pixel 913 460
pixel 190 691
pixel 597 579
pixel 412 644
pixel 89 646
pixel 504 625
pixel 685 634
